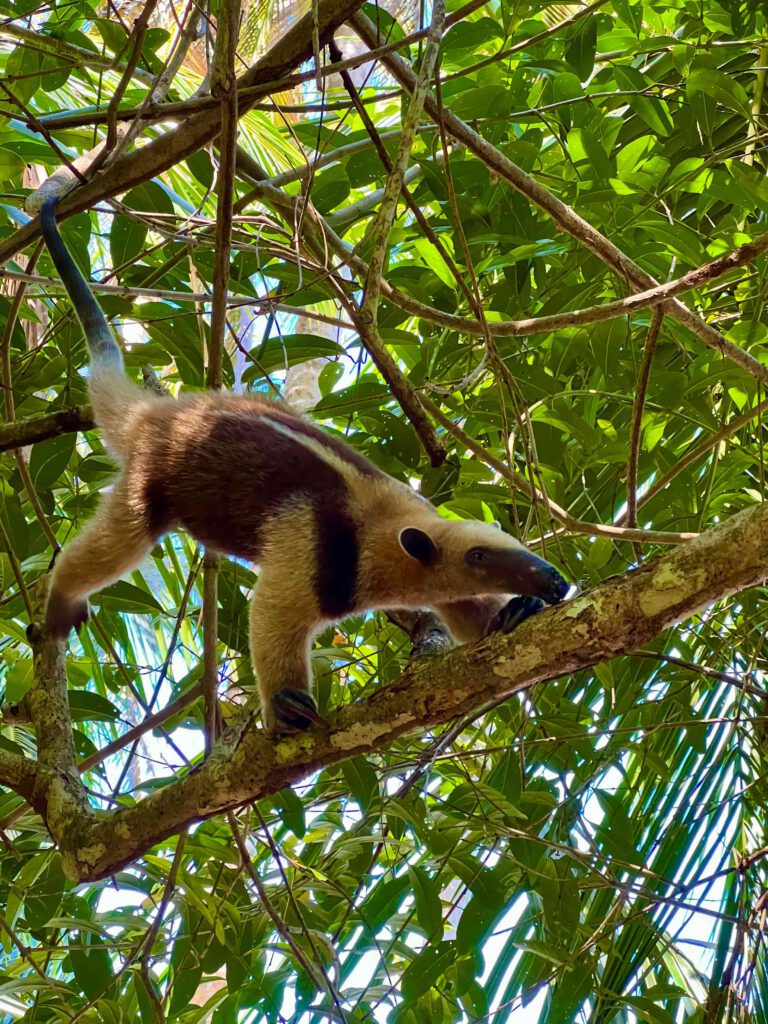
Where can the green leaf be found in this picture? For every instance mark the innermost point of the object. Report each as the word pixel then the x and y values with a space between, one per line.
pixel 49 459
pixel 581 47
pixel 127 597
pixel 724 89
pixel 290 350
pixel 426 898
pixel 85 706
pixel 42 903
pixel 362 781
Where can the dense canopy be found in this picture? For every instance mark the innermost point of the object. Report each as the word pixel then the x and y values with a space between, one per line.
pixel 515 258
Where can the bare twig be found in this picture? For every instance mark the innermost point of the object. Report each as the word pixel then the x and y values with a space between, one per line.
pixel 637 420
pixel 136 41
pixel 192 20
pixel 210 648
pixel 224 89
pixel 16 570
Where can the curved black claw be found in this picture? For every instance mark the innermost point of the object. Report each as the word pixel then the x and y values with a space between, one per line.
pixel 294 711
pixel 433 642
pixel 515 611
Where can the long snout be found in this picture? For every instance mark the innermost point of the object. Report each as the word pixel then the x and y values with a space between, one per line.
pixel 531 576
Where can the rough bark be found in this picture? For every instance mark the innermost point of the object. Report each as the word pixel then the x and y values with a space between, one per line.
pixel 616 617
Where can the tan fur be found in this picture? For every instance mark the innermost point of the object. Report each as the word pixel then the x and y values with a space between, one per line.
pixel 151 434
pixel 284 611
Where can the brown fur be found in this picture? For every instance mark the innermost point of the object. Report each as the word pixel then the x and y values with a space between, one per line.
pixel 251 479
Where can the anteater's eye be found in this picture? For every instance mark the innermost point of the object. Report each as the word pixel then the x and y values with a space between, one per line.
pixel 476 555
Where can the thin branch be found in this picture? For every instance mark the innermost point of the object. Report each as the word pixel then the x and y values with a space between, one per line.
pixel 136 41
pixel 235 301
pixel 563 215
pixel 394 186
pixel 637 419
pixel 535 495
pixel 224 89
pixel 155 111
pixel 151 722
pixel 10 410
pixel 702 449
pixel 16 570
pixel 133 168
pixel 314 974
pixel 366 319
pixel 210 649
pixel 525 45
pixel 192 20
pixel 79 56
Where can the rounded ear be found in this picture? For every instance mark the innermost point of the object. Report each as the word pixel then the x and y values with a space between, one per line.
pixel 418 545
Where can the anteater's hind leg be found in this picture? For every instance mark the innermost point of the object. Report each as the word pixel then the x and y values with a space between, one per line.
pixel 111 544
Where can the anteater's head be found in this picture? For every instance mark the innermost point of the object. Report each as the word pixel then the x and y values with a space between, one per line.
pixel 469 559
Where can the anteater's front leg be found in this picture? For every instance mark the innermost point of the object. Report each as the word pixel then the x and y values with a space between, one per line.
pixel 284 619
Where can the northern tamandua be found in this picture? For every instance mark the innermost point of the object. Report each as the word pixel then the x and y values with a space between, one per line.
pixel 331 533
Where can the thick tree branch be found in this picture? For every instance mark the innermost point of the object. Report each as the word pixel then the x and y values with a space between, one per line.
pixel 58 795
pixel 40 428
pixel 17 773
pixel 618 616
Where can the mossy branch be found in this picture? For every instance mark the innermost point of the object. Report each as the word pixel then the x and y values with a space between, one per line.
pixel 615 618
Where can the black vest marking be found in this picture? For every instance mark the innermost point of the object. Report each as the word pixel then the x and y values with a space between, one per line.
pixel 156 512
pixel 338 558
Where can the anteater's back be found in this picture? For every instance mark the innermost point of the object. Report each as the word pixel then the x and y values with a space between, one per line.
pixel 220 466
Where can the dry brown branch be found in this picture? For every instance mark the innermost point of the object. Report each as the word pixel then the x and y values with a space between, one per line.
pixel 617 616
pixel 156 111
pixel 637 419
pixel 564 217
pixel 196 131
pixel 366 318
pixel 224 89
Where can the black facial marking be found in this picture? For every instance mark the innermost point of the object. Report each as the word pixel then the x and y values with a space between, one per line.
pixel 338 555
